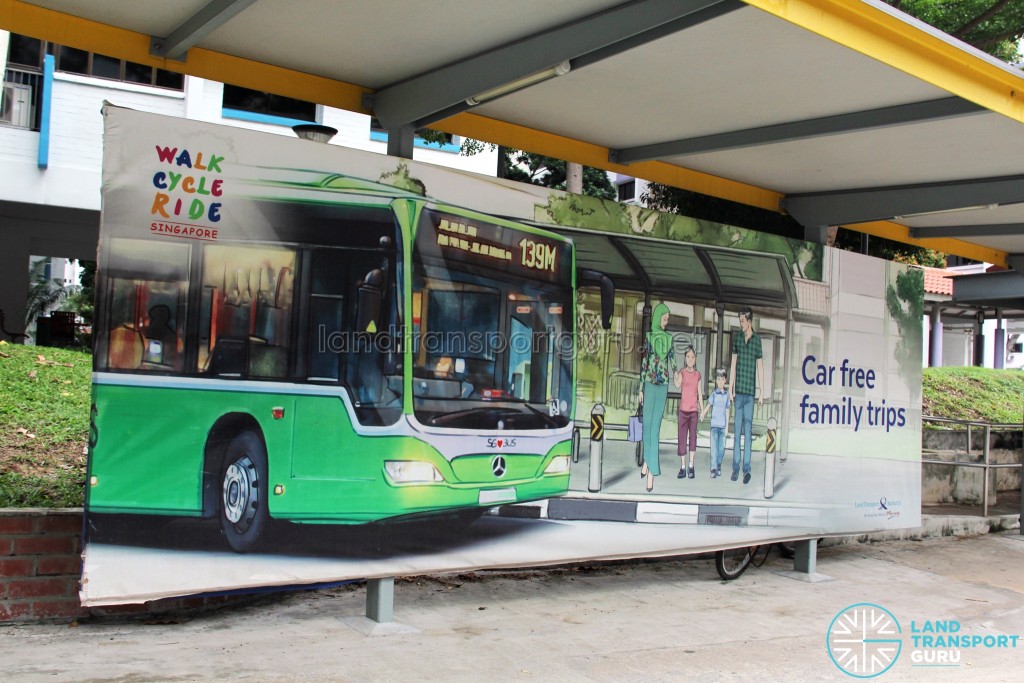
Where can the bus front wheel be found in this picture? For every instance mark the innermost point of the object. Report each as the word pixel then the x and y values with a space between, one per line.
pixel 244 494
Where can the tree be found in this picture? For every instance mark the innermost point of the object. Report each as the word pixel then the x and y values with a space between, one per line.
pixel 537 169
pixel 905 302
pixel 992 26
pixel 46 294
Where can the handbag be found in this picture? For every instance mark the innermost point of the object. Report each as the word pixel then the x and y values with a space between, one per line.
pixel 635 428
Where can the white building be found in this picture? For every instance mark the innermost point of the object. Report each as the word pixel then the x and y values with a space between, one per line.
pixel 51 144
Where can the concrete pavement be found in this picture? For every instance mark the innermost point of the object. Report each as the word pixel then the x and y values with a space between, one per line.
pixel 669 620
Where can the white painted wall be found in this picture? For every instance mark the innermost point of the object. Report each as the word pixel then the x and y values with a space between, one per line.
pixel 76 137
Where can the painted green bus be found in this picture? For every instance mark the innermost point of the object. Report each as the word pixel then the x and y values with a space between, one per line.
pixel 339 352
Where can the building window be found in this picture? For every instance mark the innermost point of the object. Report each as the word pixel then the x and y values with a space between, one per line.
pixel 266 107
pixel 28 53
pixel 627 191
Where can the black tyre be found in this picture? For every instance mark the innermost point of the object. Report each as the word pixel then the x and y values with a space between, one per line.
pixel 732 562
pixel 244 492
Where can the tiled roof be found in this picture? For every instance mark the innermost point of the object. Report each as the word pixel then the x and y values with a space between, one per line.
pixel 937 281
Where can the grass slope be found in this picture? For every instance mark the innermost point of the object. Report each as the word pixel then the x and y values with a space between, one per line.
pixel 979 394
pixel 44 425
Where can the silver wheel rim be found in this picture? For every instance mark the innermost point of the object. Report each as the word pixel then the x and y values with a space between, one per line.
pixel 241 493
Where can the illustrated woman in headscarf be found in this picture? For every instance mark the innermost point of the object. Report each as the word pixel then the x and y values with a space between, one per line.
pixel 656 373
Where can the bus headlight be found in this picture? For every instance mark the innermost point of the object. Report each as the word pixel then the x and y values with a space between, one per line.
pixel 558 465
pixel 412 471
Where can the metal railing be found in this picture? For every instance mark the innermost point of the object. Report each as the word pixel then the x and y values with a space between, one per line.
pixel 985 463
pixel 20 98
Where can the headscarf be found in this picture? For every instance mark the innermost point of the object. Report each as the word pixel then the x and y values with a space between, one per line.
pixel 661 341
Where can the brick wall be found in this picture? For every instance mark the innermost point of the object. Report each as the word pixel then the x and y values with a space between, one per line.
pixel 40 564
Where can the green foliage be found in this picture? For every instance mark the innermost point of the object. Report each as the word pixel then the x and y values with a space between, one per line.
pixel 905 302
pixel 537 169
pixel 403 180
pixel 993 26
pixel 45 294
pixel 889 250
pixel 967 393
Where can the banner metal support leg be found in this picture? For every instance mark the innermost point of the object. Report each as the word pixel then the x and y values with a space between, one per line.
pixel 380 600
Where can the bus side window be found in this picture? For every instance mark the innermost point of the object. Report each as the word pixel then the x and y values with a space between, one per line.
pixel 246 311
pixel 146 291
pixel 328 333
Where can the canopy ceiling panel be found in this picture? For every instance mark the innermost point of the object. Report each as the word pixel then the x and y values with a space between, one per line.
pixel 975 146
pixel 760 101
pixel 742 70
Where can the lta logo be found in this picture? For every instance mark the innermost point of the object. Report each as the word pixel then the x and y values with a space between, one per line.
pixel 864 640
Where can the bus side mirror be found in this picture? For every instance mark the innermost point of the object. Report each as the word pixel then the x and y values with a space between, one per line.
pixel 370 298
pixel 607 287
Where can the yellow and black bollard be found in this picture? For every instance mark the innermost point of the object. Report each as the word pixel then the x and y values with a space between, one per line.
pixel 770 445
pixel 596 446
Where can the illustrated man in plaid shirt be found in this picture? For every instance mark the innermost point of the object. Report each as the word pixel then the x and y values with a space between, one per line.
pixel 746 377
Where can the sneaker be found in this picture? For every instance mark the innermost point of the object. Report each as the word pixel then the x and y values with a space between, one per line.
pixel 735 475
pixel 692 473
pixel 746 477
pixel 714 474
pixel 682 474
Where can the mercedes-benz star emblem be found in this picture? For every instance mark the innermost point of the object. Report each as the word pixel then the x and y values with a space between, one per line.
pixel 498 466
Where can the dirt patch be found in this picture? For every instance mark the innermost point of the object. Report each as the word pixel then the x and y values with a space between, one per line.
pixel 22 456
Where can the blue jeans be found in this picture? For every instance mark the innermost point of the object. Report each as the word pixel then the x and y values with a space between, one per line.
pixel 744 418
pixel 717 447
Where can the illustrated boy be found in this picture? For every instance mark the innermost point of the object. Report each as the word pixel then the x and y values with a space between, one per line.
pixel 718 403
pixel 746 377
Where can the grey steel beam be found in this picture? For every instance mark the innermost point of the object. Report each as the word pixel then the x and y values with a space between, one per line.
pixel 994 230
pixel 884 117
pixel 442 92
pixel 989 289
pixel 195 28
pixel 845 207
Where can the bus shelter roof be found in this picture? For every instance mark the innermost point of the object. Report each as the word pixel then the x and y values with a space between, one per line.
pixel 840 112
pixel 691 272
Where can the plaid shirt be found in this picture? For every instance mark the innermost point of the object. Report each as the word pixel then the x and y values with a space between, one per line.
pixel 747 353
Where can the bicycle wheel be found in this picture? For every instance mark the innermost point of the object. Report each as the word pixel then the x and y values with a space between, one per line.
pixel 732 562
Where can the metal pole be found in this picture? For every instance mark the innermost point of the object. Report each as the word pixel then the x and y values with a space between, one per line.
pixel 596 446
pixel 984 486
pixel 380 600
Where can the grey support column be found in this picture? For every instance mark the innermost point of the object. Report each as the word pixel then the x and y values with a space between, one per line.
pixel 999 345
pixel 14 283
pixel 400 141
pixel 935 339
pixel 380 593
pixel 979 341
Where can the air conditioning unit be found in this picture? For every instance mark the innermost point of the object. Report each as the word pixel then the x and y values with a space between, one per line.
pixel 16 105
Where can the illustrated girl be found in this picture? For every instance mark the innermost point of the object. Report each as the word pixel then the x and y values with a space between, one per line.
pixel 656 371
pixel 691 404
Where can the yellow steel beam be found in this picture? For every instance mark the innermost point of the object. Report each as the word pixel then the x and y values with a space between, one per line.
pixel 74 31
pixel 948 245
pixel 902 45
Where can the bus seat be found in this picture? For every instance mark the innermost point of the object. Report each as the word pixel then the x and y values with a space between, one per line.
pixel 126 348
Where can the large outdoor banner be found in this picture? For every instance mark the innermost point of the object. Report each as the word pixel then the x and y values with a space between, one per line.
pixel 314 363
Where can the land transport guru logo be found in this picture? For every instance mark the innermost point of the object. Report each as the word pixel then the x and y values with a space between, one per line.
pixel 865 640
